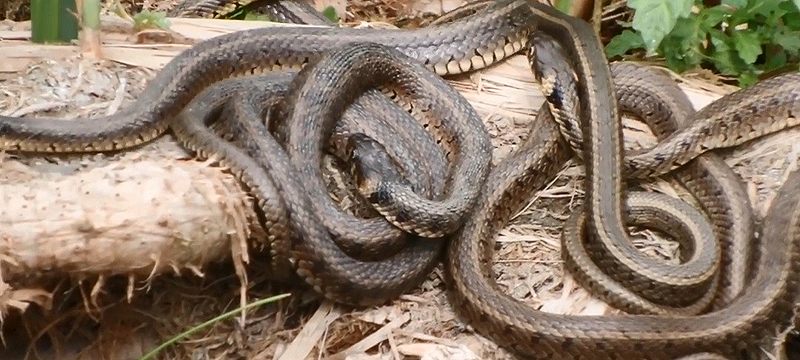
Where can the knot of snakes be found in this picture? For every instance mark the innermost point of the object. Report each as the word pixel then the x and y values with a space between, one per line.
pixel 273 130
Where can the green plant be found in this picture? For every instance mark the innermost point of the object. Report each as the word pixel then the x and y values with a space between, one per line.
pixel 147 19
pixel 91 14
pixel 244 13
pixel 330 13
pixel 53 21
pixel 152 353
pixel 741 38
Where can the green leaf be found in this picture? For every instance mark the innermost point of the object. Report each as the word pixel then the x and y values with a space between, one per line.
pixel 724 55
pixel 713 16
pixel 765 7
pixel 735 3
pixel 754 10
pixel 797 4
pixel 682 47
pixel 775 59
pixel 719 39
pixel 564 6
pixel 728 62
pixel 679 61
pixel 792 20
pixel 238 13
pixel 622 43
pixel 330 13
pixel 747 79
pixel 91 14
pixel 748 45
pixel 53 21
pixel 147 19
pixel 654 19
pixel 789 40
pixel 256 17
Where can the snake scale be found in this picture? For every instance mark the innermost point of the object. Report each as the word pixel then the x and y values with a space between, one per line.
pixel 755 308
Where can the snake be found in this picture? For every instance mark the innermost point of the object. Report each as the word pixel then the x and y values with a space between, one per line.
pixel 496 36
pixel 215 115
pixel 502 30
pixel 267 171
pixel 254 51
pixel 719 191
pixel 656 99
pixel 250 52
pixel 733 220
pixel 641 93
pixel 365 239
pixel 732 330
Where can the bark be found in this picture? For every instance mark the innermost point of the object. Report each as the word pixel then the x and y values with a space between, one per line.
pixel 132 216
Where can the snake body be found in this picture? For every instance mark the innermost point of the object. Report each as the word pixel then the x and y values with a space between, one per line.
pixel 265 165
pixel 232 102
pixel 742 321
pixel 266 49
pixel 731 331
pixel 380 119
pixel 680 285
pixel 719 191
pixel 658 101
pixel 492 38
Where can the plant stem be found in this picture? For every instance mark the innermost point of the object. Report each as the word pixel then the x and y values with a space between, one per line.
pixel 90 21
pixel 208 323
pixel 53 21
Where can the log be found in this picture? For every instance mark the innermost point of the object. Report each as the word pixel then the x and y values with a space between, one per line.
pixel 132 216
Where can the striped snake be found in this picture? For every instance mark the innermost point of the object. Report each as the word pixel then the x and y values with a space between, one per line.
pixel 750 309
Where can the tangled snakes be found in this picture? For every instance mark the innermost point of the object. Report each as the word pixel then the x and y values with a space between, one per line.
pixel 730 296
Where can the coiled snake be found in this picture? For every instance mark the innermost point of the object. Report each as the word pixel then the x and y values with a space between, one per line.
pixel 753 310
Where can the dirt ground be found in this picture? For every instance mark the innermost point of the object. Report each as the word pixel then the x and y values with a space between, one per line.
pixel 418 325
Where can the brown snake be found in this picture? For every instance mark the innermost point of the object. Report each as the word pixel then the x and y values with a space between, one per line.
pixel 496 35
pixel 729 330
pixel 270 175
pixel 735 330
pixel 657 99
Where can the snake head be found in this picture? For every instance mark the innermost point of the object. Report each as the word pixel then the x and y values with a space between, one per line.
pixel 370 165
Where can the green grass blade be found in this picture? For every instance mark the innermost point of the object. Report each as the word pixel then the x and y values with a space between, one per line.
pixel 208 323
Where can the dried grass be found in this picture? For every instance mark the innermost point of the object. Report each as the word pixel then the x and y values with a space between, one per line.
pixel 420 324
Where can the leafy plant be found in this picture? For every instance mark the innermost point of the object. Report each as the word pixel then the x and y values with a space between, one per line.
pixel 330 13
pixel 147 19
pixel 741 38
